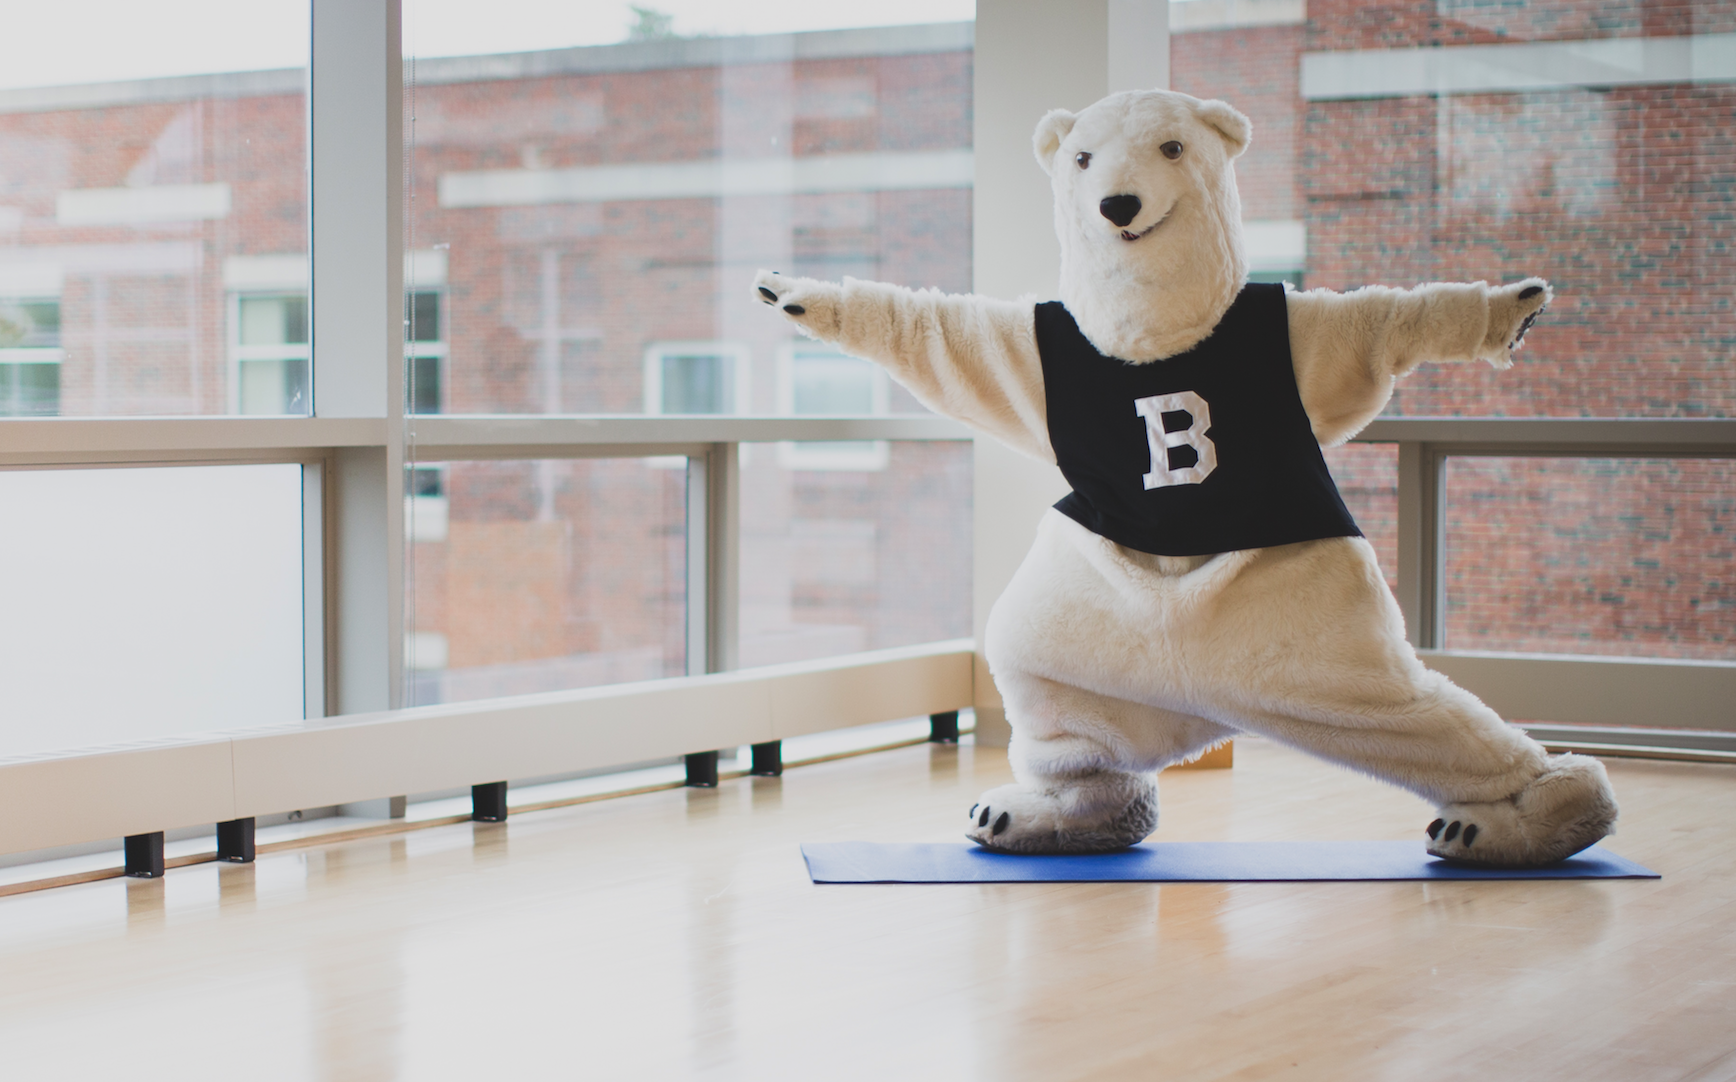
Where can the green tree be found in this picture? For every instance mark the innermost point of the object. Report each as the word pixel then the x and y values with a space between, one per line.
pixel 649 24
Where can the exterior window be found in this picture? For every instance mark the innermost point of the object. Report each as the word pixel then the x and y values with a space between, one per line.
pixel 30 357
pixel 270 346
pixel 425 504
pixel 695 377
pixel 425 330
pixel 424 363
pixel 816 379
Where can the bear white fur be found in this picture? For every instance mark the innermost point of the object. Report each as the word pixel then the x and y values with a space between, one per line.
pixel 1114 663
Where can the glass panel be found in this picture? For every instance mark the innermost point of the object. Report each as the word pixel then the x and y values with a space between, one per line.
pixel 1604 176
pixel 818 379
pixel 832 383
pixel 153 210
pixel 599 212
pixel 148 602
pixel 529 576
pixel 1592 556
pixel 835 561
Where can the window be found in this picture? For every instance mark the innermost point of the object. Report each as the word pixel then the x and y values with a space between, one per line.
pixel 271 353
pixel 695 377
pixel 817 379
pixel 425 504
pixel 545 574
pixel 158 600
pixel 30 356
pixel 147 147
pixel 425 333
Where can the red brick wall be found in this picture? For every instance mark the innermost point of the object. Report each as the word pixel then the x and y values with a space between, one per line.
pixel 1256 69
pixel 1601 556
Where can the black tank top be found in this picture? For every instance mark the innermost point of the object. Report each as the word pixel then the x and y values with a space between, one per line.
pixel 1207 451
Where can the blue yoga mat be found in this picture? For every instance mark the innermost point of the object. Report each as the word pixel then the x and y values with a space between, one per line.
pixel 1179 862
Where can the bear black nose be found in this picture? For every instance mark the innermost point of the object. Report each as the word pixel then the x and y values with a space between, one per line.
pixel 1120 209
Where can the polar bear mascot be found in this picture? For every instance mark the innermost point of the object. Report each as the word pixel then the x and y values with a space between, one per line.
pixel 1203 578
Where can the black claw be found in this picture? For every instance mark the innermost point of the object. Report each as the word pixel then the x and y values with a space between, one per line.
pixel 1518 339
pixel 1529 291
pixel 1001 823
pixel 1435 828
pixel 771 298
pixel 973 809
pixel 983 820
pixel 1452 831
pixel 1470 835
pixel 794 309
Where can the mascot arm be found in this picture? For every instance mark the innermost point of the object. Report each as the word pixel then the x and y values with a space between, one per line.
pixel 1348 348
pixel 971 358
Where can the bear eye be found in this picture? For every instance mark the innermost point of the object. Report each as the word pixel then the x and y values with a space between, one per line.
pixel 1083 158
pixel 1171 150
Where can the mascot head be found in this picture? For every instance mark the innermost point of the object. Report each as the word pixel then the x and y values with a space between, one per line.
pixel 1148 216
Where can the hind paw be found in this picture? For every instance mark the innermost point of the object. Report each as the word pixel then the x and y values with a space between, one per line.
pixel 1566 808
pixel 1092 814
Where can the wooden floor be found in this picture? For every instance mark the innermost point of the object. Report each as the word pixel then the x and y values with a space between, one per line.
pixel 675 935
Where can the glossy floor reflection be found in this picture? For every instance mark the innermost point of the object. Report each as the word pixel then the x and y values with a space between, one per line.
pixel 675 935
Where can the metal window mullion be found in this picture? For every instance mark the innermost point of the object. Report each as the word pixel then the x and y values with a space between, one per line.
pixel 316 692
pixel 723 557
pixel 698 592
pixel 1421 548
pixel 355 107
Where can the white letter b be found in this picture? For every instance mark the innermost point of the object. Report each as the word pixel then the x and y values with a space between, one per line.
pixel 1194 435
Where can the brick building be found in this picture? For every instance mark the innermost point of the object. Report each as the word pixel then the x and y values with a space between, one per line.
pixel 583 222
pixel 1613 180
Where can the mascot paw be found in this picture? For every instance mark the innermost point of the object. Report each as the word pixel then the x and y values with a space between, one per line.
pixel 1094 814
pixel 811 305
pixel 1566 808
pixel 1512 311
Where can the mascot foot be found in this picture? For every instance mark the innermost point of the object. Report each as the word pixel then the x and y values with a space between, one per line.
pixel 1094 813
pixel 1566 808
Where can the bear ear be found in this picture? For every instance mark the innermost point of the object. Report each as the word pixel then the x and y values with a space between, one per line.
pixel 1230 123
pixel 1050 131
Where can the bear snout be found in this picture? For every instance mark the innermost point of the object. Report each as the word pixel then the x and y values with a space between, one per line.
pixel 1120 209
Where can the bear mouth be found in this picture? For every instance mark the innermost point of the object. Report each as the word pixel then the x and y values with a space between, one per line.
pixel 1130 236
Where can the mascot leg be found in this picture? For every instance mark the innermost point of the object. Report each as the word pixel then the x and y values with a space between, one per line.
pixel 1503 801
pixel 1352 691
pixel 1086 747
pixel 1085 765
